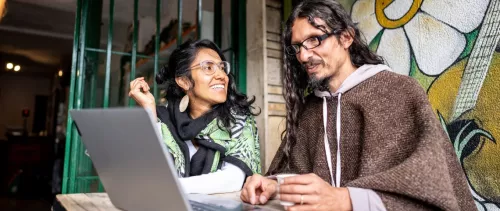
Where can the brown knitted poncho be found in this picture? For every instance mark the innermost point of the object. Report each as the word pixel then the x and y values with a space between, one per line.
pixel 391 142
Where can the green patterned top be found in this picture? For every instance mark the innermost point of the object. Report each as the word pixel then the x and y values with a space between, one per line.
pixel 240 141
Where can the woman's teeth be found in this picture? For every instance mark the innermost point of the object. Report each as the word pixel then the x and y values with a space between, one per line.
pixel 217 87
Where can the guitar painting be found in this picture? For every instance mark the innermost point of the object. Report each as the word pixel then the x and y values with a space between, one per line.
pixel 465 98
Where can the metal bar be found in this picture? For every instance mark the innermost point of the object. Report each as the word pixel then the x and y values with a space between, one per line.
pixel 179 23
pixel 200 18
pixel 218 22
pixel 79 95
pixel 108 67
pixel 234 41
pixel 88 177
pixel 131 102
pixel 242 45
pixel 107 78
pixel 120 53
pixel 100 188
pixel 89 86
pixel 157 47
pixel 92 63
pixel 121 89
pixel 70 126
pixel 239 41
pixel 93 86
pixel 84 184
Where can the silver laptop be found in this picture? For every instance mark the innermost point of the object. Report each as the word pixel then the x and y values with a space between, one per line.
pixel 134 165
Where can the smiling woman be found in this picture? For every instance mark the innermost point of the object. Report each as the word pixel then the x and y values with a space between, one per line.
pixel 207 124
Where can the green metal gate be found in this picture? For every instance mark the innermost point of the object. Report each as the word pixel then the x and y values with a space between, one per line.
pixel 79 175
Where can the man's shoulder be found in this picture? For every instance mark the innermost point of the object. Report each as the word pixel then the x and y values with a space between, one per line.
pixel 392 87
pixel 392 78
pixel 394 82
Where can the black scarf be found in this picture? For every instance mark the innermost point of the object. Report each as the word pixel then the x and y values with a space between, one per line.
pixel 184 128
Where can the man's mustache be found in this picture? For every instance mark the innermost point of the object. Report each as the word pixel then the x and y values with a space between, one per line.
pixel 312 62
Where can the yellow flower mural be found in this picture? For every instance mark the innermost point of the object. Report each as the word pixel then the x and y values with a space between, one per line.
pixel 432 31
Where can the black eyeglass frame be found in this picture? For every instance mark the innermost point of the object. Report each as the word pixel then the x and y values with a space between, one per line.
pixel 295 48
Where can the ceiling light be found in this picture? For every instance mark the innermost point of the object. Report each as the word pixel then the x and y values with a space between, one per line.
pixel 17 68
pixel 60 73
pixel 10 66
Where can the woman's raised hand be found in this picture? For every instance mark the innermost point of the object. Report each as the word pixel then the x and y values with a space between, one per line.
pixel 139 91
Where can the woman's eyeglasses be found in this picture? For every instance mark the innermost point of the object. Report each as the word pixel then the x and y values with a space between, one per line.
pixel 210 67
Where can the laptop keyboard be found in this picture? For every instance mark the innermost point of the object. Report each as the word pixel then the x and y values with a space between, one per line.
pixel 197 206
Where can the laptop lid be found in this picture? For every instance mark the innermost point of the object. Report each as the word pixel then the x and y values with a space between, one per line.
pixel 127 152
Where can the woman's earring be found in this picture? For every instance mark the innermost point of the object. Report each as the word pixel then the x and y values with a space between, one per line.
pixel 184 103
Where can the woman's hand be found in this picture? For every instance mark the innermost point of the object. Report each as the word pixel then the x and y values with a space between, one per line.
pixel 139 91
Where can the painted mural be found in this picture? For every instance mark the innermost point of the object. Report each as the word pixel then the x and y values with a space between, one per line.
pixel 450 47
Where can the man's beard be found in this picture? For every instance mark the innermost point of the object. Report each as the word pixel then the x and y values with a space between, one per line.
pixel 317 83
pixel 320 84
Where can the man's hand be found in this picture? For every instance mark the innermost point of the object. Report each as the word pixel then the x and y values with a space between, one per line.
pixel 258 189
pixel 310 192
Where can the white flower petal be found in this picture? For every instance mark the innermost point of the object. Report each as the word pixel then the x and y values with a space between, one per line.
pixel 397 9
pixel 395 49
pixel 464 15
pixel 370 27
pixel 476 196
pixel 362 9
pixel 491 206
pixel 435 45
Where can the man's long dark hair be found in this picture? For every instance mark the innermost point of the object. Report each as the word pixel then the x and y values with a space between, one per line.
pixel 296 78
pixel 178 66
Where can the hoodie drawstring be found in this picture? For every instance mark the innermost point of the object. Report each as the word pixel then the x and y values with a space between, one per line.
pixel 335 183
pixel 325 139
pixel 338 170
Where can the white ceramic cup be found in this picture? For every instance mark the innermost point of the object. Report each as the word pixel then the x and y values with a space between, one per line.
pixel 280 177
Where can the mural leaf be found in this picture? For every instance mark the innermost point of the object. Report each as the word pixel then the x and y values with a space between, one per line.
pixel 456 143
pixel 472 134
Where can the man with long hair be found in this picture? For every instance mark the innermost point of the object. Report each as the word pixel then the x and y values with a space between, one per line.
pixel 359 136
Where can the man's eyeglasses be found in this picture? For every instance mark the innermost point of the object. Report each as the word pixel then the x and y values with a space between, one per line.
pixel 309 43
pixel 210 67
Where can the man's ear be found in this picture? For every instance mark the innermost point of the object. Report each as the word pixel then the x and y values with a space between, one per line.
pixel 183 82
pixel 347 37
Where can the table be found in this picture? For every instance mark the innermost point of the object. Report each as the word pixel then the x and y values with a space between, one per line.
pixel 101 202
